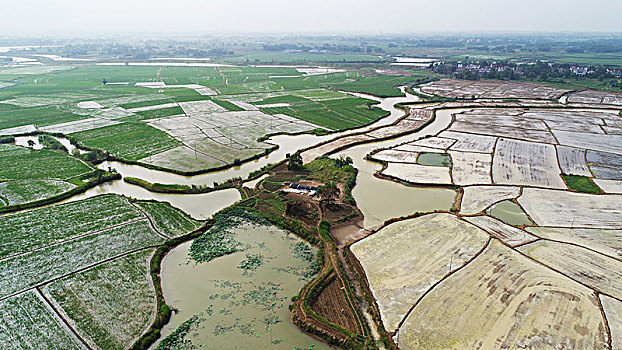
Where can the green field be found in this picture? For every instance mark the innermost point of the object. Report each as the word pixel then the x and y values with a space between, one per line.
pixel 36 174
pixel 131 141
pixel 228 105
pixel 161 112
pixel 302 57
pixel 38 164
pixel 118 290
pixel 27 323
pixel 23 232
pixel 26 271
pixel 90 259
pixel 168 220
pixel 24 191
pixel 581 184
pixel 44 98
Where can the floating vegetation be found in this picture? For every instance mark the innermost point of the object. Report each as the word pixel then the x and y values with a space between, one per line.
pixel 309 348
pixel 251 263
pixel 264 297
pixel 176 340
pixel 219 240
pixel 220 330
pixel 248 329
pixel 303 251
pixel 271 319
pixel 313 270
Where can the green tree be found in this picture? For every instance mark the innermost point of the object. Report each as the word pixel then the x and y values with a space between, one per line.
pixel 295 162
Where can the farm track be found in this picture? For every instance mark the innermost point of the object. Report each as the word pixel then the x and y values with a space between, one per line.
pixel 76 237
pixel 151 223
pixel 62 318
pixel 85 268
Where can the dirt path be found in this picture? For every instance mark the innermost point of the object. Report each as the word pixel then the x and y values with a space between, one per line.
pixel 62 318
pixel 153 227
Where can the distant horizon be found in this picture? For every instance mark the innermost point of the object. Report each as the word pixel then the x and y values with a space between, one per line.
pixel 362 17
pixel 194 34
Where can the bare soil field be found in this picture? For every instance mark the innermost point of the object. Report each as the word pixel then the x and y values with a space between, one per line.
pixel 605 241
pixel 490 304
pixel 406 258
pixel 491 89
pixel 595 270
pixel 596 97
pixel 332 305
pixel 478 198
pixel 572 210
pixel 418 174
pixel 526 163
pixel 613 311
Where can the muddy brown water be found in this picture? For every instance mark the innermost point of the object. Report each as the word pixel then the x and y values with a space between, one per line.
pixel 238 310
pixel 380 200
pixel 199 206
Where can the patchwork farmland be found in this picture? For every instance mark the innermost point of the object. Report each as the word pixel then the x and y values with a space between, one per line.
pixel 75 265
pixel 527 255
pixel 563 256
pixel 183 119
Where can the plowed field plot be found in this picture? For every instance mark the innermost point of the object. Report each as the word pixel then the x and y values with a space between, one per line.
pixel 434 142
pixel 470 168
pixel 27 322
pixel 609 186
pixel 608 242
pixel 406 258
pixel 526 163
pixel 491 303
pixel 478 198
pixel 503 126
pixel 219 136
pixel 595 270
pixel 109 305
pixel 572 161
pixel 572 210
pixel 613 312
pixel 397 156
pixel 418 174
pixel 597 142
pixel 491 89
pixel 332 305
pixel 596 97
pixel 507 234
pixel 470 142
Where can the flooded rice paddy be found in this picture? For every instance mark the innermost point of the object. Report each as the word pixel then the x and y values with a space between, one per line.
pixel 510 213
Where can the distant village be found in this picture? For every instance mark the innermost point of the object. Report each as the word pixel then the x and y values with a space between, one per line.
pixel 485 69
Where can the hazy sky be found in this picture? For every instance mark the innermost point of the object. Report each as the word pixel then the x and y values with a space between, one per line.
pixel 291 16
